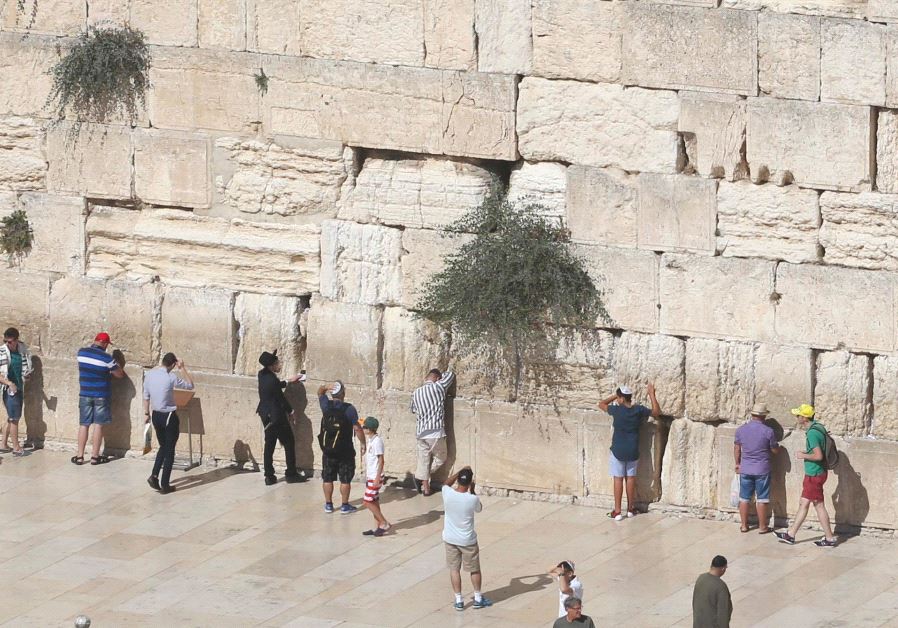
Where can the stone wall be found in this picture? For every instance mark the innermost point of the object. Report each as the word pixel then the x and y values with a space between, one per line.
pixel 727 170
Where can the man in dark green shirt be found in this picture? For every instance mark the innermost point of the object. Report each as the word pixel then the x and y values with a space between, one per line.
pixel 711 603
pixel 574 617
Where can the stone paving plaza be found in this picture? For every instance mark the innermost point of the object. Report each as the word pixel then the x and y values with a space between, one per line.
pixel 227 551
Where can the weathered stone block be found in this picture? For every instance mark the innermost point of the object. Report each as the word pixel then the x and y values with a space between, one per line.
pixel 808 310
pixel 449 34
pixel 51 399
pixel 184 249
pixel 52 17
pixel 655 54
pixel 767 221
pixel 540 184
pixel 852 62
pixel 504 42
pixel 222 24
pixel 842 388
pixel 714 131
pixel 642 359
pixel 172 169
pixel 601 205
pixel 360 263
pixel 884 423
pixel 720 379
pixel 22 162
pixel 97 162
pixel 343 341
pixel 858 229
pixel 882 11
pixel 829 8
pixel 717 297
pixel 629 281
pixel 26 61
pixel 598 125
pixel 683 481
pixel 786 139
pixel 597 431
pixel 267 323
pixel 789 56
pixel 411 347
pixel 413 109
pixel 488 373
pixel 57 225
pixel 24 307
pixel 577 40
pixel 166 22
pixel 417 193
pixel 783 379
pixel 887 152
pixel 108 12
pixel 273 26
pixel 422 257
pixel 677 213
pixel 199 327
pixel 551 445
pixel 285 178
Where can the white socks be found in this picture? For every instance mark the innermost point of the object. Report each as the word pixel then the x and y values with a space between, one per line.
pixel 477 596
pixel 458 598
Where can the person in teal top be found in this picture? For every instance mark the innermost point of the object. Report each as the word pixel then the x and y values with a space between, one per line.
pixel 814 478
pixel 15 367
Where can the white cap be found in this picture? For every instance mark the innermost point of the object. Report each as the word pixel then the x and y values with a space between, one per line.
pixel 336 388
pixel 625 390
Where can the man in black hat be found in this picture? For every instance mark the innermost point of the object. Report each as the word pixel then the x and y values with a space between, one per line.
pixel 275 411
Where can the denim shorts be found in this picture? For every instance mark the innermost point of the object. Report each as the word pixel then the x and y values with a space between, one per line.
pixel 94 410
pixel 621 469
pixel 13 404
pixel 758 485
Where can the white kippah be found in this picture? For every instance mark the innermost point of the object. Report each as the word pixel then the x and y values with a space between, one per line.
pixel 337 387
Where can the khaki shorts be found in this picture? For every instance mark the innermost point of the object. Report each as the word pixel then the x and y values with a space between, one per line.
pixel 467 555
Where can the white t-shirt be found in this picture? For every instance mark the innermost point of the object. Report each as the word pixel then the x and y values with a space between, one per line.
pixel 375 448
pixel 577 588
pixel 458 522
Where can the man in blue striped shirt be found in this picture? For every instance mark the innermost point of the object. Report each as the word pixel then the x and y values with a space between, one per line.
pixel 96 368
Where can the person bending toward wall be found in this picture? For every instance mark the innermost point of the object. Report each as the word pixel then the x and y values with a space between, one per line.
pixel 96 368
pixel 159 407
pixel 429 406
pixel 275 411
pixel 627 419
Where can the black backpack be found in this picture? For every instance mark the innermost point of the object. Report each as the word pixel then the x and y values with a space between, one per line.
pixel 830 453
pixel 333 437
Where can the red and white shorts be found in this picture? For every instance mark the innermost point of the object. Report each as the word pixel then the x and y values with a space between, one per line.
pixel 372 491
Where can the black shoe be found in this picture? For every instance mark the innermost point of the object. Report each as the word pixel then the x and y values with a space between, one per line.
pixel 165 490
pixel 294 479
pixel 270 479
pixel 153 481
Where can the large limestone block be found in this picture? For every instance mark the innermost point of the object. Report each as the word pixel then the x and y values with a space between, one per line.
pixel 884 423
pixel 268 323
pixel 52 17
pixel 601 205
pixel 26 61
pixel 272 26
pixel 360 263
pixel 820 145
pixel 128 311
pixel 22 162
pixel 677 213
pixel 97 162
pixel 578 40
pixel 419 110
pixel 549 442
pixel 598 125
pixel 852 62
pixel 24 306
pixel 784 378
pixel 713 126
pixel 717 297
pixel 416 193
pixel 343 341
pixel 882 11
pixel 829 8
pixel 504 41
pixel 198 326
pixel 374 31
pixel 51 400
pixel 449 35
pixel 720 379
pixel 423 255
pixel 629 282
pixel 125 433
pixel 811 308
pixel 489 373
pixel 767 221
pixel 171 169
pixel 542 184
pixel 789 56
pixel 887 152
pixel 842 387
pixel 597 431
pixel 204 89
pixel 642 359
pixel 57 226
pixel 690 466
pixel 184 249
pixel 690 48
pixel 283 178
pixel 411 347
pixel 221 24
pixel 108 12
pixel 166 22
pixel 859 229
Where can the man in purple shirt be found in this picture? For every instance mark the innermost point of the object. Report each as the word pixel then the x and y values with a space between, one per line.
pixel 755 441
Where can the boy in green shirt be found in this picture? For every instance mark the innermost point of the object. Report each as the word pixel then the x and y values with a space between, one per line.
pixel 814 478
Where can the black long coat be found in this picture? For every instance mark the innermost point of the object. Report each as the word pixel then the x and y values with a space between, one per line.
pixel 273 405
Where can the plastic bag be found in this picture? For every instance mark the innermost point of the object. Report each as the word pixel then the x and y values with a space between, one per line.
pixel 148 438
pixel 734 491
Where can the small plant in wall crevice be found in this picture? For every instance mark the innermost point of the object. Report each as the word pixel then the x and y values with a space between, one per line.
pixel 21 10
pixel 15 235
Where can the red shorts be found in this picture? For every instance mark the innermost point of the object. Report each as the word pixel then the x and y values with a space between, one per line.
pixel 812 488
pixel 372 491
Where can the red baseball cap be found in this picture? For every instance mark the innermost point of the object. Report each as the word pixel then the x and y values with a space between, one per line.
pixel 103 337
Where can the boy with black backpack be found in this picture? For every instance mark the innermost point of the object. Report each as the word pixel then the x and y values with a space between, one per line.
pixel 339 422
pixel 820 455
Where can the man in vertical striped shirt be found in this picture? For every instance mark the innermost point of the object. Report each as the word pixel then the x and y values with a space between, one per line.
pixel 429 405
pixel 96 368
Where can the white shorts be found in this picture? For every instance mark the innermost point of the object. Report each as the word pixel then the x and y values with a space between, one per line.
pixel 619 469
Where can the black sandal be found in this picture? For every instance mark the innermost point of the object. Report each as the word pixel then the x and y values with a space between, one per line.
pixel 99 460
pixel 79 460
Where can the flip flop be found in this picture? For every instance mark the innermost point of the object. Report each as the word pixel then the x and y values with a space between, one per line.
pixel 95 460
pixel 79 460
pixel 767 531
pixel 743 530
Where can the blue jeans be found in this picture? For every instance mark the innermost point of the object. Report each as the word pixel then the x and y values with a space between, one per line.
pixel 759 485
pixel 13 404
pixel 94 410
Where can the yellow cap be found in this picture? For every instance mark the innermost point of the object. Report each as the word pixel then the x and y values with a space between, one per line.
pixel 804 410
